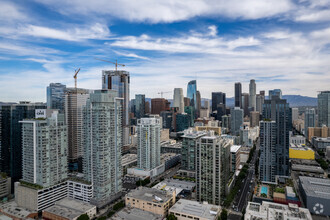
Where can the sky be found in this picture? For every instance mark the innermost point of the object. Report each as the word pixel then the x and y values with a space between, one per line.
pixel 164 44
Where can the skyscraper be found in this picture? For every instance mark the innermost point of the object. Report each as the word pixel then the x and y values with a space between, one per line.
pixel 259 102
pixel 278 110
pixel 178 99
pixel 55 96
pixel 140 105
pixel 323 99
pixel 254 119
pixel 252 93
pixel 309 119
pixel 218 98
pixel 148 132
pixel 191 93
pixel 275 92
pixel 75 101
pixel 103 144
pixel 295 114
pixel 268 152
pixel 11 136
pixel 245 101
pixel 212 168
pixel 44 147
pixel 238 94
pixel 119 81
pixel 199 104
pixel 158 105
pixel 236 120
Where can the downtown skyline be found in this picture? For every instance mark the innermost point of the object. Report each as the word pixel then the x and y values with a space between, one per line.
pixel 285 45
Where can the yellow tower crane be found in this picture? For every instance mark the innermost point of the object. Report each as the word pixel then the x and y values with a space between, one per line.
pixel 116 64
pixel 75 77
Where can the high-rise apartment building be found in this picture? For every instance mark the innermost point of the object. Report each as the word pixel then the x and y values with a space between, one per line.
pixel 212 168
pixel 44 148
pixel 11 136
pixel 295 114
pixel 237 115
pixel 119 81
pixel 278 110
pixel 148 132
pixel 178 99
pixel 191 93
pixel 75 101
pixel 268 152
pixel 55 96
pixel 238 94
pixel 158 105
pixel 188 149
pixel 252 93
pixel 140 105
pixel 103 144
pixel 309 119
pixel 323 100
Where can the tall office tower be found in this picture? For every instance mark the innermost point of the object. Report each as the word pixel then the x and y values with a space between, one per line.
pixel 206 104
pixel 309 119
pixel 119 81
pixel 218 98
pixel 44 148
pixel 221 111
pixel 75 101
pixel 191 93
pixel 182 121
pixel 178 99
pixel 278 110
pixel 11 136
pixel 191 113
pixel 186 101
pixel 158 105
pixel 148 132
pixel 55 96
pixel 254 119
pixel 226 123
pixel 323 99
pixel 199 104
pixel 147 107
pixel 188 149
pixel 295 114
pixel 140 106
pixel 238 94
pixel 275 92
pixel 103 144
pixel 245 102
pixel 259 102
pixel 132 106
pixel 212 168
pixel 237 115
pixel 252 97
pixel 167 119
pixel 262 93
pixel 268 152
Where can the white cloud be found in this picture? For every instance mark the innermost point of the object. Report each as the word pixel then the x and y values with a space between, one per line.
pixel 313 16
pixel 133 55
pixel 10 12
pixel 213 30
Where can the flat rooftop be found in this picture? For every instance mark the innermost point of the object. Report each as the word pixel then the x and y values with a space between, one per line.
pixel 150 195
pixel 235 148
pixel 174 184
pixel 135 214
pixel 307 168
pixel 302 147
pixel 69 208
pixel 193 134
pixel 13 209
pixel 195 208
pixel 316 187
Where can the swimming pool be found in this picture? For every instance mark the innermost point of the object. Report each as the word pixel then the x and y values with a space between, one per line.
pixel 264 189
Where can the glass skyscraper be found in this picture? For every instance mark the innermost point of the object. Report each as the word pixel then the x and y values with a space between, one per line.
pixel 191 93
pixel 323 99
pixel 139 106
pixel 55 96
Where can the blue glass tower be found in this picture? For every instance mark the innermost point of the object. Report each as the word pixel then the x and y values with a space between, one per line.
pixel 191 93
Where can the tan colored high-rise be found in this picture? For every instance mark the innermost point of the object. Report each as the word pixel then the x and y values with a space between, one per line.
pixel 178 100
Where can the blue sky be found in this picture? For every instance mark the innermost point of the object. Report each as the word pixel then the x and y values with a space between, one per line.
pixel 164 44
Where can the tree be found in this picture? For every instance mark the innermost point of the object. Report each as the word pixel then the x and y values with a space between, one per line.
pixel 83 217
pixel 171 217
pixel 223 215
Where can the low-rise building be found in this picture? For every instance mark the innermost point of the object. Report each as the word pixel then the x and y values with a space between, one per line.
pixel 13 211
pixel 321 143
pixel 170 160
pixel 179 186
pixel 128 161
pixel 187 209
pixel 270 210
pixel 296 139
pixel 322 132
pixel 301 151
pixel 315 194
pixel 142 173
pixel 128 213
pixel 244 154
pixel 217 130
pixel 80 189
pixel 171 147
pixel 69 209
pixel 151 200
pixel 5 185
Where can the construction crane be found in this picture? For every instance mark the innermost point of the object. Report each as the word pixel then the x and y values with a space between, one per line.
pixel 161 93
pixel 75 77
pixel 116 64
